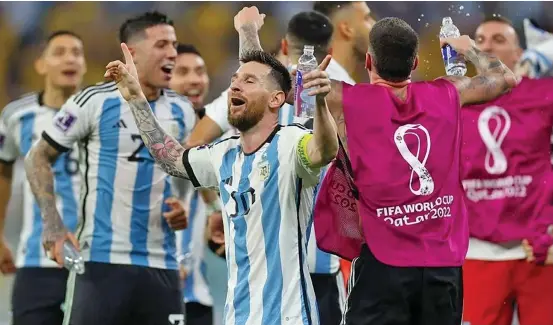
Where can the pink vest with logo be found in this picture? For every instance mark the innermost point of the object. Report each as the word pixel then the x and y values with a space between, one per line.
pixel 507 174
pixel 405 160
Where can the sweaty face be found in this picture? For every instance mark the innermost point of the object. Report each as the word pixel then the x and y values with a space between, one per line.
pixel 249 95
pixel 190 78
pixel 63 62
pixel 499 39
pixel 155 54
pixel 362 21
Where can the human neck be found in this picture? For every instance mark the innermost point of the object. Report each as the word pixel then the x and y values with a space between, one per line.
pixel 55 97
pixel 252 139
pixel 151 93
pixel 343 54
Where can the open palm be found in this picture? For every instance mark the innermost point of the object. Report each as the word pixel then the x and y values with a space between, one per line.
pixel 125 75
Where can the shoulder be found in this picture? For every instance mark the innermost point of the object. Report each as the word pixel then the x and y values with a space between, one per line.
pixel 22 105
pixel 293 132
pixel 225 143
pixel 95 93
pixel 176 98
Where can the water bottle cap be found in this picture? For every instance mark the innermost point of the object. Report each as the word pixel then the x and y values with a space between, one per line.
pixel 309 49
pixel 447 21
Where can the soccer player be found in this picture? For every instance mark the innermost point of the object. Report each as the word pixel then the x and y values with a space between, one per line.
pixel 247 23
pixel 352 21
pixel 265 176
pixel 407 267
pixel 507 180
pixel 307 28
pixel 131 268
pixel 190 79
pixel 62 65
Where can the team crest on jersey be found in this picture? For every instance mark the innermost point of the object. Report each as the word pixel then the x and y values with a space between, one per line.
pixel 65 121
pixel 264 167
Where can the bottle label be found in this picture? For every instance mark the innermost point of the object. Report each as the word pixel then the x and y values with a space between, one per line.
pixel 449 54
pixel 297 95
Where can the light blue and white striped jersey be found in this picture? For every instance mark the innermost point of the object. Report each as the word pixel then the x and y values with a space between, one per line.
pixel 124 190
pixel 192 244
pixel 267 199
pixel 319 262
pixel 21 124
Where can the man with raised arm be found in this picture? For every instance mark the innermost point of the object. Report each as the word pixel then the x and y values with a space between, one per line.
pixel 266 178
pixel 402 218
pixel 127 210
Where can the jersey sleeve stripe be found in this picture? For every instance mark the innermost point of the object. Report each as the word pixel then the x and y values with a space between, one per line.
pixel 83 93
pixel 189 169
pixel 53 143
pixel 83 100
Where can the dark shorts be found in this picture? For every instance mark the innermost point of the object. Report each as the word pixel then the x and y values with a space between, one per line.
pixel 111 294
pixel 380 294
pixel 330 294
pixel 198 314
pixel 37 296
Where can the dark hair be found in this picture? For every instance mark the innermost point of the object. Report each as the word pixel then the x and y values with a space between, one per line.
pixel 62 32
pixel 506 21
pixel 329 8
pixel 139 24
pixel 310 28
pixel 393 46
pixel 187 49
pixel 279 73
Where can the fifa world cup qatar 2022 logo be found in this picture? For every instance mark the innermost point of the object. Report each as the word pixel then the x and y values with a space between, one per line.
pixel 417 160
pixel 495 161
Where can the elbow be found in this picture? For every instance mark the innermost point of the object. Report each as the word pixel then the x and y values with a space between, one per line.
pixel 328 152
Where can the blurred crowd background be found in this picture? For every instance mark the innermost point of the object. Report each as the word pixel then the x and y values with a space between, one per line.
pixel 209 26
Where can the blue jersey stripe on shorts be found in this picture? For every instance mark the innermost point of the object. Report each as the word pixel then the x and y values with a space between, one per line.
pixel 270 221
pixel 109 148
pixel 140 214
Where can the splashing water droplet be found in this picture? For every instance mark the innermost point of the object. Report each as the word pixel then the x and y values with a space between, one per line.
pixel 468 14
pixel 419 19
pixel 426 25
pixel 493 15
pixel 461 7
pixel 478 6
pixel 422 15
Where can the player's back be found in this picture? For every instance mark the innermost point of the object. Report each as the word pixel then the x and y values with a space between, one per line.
pixel 21 124
pixel 405 156
pixel 124 190
pixel 267 209
pixel 506 163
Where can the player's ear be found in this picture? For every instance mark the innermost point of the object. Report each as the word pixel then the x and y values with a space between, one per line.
pixel 277 100
pixel 284 46
pixel 416 63
pixel 40 66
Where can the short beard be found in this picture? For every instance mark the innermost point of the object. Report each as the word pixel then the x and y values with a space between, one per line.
pixel 247 120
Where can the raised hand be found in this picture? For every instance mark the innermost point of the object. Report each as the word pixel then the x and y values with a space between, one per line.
pixel 125 75
pixel 462 45
pixel 249 16
pixel 318 81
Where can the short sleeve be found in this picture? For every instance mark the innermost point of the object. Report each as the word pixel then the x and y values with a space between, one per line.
pixel 217 110
pixel 198 163
pixel 72 123
pixel 8 146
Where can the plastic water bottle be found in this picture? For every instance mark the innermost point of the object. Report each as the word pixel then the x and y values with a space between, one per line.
pixel 305 104
pixel 455 64
pixel 72 259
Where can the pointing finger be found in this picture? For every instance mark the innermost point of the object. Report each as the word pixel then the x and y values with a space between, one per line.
pixel 325 63
pixel 126 53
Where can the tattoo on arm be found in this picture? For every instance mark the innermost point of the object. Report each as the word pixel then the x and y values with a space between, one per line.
pixel 164 148
pixel 249 39
pixel 41 180
pixel 488 84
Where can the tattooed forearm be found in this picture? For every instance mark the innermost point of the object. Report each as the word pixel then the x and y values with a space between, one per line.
pixel 249 39
pixel 164 148
pixel 485 62
pixel 41 180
